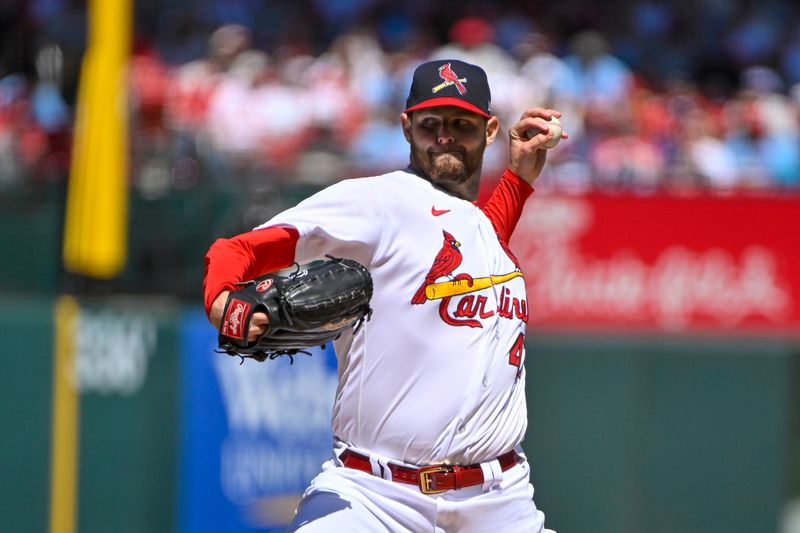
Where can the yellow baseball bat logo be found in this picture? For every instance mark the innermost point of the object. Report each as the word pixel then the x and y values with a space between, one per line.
pixel 443 289
pixel 446 83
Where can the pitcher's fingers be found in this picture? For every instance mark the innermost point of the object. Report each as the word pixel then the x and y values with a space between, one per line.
pixel 541 112
pixel 258 325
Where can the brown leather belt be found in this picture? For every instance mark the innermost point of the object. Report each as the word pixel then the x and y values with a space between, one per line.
pixel 431 479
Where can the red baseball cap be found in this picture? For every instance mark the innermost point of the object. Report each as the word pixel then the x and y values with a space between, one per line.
pixel 450 82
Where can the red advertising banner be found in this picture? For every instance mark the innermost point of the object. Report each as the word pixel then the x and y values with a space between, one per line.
pixel 663 263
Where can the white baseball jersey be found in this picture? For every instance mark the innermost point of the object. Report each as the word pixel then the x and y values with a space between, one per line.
pixel 436 375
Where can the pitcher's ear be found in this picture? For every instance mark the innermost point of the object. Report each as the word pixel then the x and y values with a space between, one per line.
pixel 492 127
pixel 405 121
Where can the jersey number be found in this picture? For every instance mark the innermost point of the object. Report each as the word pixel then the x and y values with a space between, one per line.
pixel 515 355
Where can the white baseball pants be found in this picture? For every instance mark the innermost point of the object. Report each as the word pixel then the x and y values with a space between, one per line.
pixel 345 499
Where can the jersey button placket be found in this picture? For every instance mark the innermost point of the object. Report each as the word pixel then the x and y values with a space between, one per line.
pixel 486 254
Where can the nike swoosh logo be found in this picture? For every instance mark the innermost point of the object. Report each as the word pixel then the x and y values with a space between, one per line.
pixel 438 212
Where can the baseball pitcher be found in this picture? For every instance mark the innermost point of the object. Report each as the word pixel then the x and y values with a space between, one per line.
pixel 430 409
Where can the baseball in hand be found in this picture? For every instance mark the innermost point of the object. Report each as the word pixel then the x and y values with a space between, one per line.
pixel 555 127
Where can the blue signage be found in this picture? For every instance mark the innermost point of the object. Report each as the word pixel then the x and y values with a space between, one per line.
pixel 253 435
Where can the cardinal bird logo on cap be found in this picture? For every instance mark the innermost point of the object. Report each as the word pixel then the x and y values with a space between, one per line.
pixel 450 78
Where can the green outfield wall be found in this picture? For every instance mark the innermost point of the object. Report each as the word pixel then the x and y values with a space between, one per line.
pixel 654 434
pixel 126 373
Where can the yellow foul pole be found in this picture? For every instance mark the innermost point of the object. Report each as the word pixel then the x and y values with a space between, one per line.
pixel 66 413
pixel 95 226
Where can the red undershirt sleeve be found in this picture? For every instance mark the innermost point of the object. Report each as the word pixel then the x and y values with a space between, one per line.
pixel 504 207
pixel 247 256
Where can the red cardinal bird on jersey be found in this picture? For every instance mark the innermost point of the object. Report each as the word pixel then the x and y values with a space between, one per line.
pixel 447 74
pixel 447 260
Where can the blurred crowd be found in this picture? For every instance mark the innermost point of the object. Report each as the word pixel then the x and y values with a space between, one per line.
pixel 657 96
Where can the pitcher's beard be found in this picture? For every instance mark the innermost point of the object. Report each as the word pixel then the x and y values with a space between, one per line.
pixel 456 171
pixel 448 168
